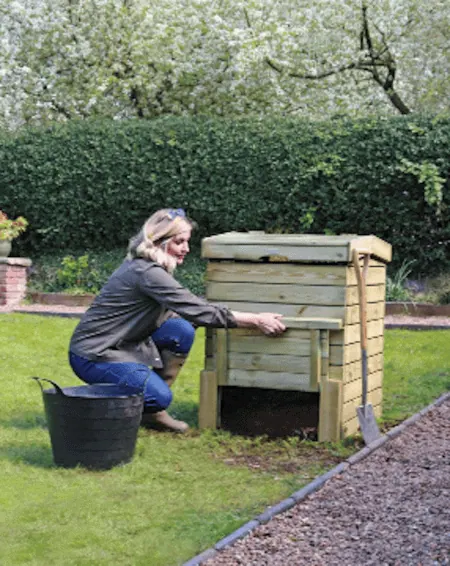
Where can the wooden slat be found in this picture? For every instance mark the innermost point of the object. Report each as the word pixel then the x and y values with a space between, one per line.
pixel 294 310
pixel 313 323
pixel 302 326
pixel 352 371
pixel 221 356
pixel 286 273
pixel 330 411
pixel 325 353
pixel 352 332
pixel 375 246
pixel 350 427
pixel 269 380
pixel 375 311
pixel 342 355
pixel 276 293
pixel 259 237
pixel 349 409
pixel 376 274
pixel 292 273
pixel 353 390
pixel 316 360
pixel 291 294
pixel 290 345
pixel 312 247
pixel 283 252
pixel 301 334
pixel 374 294
pixel 267 362
pixel 207 415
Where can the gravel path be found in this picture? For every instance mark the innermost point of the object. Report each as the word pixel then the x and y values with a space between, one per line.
pixel 393 508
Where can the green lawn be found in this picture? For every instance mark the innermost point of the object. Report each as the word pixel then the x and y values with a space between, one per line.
pixel 180 494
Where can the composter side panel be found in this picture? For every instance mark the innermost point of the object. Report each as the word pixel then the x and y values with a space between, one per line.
pixel 291 289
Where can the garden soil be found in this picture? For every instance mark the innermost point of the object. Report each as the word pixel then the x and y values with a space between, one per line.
pixel 390 509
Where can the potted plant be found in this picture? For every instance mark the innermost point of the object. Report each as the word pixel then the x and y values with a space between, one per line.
pixel 9 231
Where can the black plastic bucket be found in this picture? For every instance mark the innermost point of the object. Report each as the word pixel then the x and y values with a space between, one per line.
pixel 94 426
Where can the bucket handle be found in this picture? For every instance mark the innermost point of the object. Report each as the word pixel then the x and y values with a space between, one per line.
pixel 61 392
pixel 55 385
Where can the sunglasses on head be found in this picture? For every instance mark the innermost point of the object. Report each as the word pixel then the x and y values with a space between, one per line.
pixel 175 212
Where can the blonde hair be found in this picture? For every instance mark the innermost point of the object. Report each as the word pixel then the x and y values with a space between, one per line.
pixel 150 241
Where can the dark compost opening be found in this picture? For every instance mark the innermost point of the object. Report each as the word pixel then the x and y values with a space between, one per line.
pixel 252 411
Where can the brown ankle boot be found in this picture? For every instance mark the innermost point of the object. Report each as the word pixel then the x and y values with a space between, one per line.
pixel 163 421
pixel 172 364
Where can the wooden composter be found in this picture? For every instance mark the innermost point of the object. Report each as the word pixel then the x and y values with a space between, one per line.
pixel 311 375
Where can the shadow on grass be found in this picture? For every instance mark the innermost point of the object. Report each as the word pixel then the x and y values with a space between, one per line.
pixel 38 455
pixel 25 421
pixel 186 411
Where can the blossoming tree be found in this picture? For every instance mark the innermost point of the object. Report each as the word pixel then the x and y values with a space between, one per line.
pixel 61 59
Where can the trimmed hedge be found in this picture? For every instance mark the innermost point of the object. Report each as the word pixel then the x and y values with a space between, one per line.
pixel 91 184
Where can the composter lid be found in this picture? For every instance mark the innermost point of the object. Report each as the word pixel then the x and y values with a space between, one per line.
pixel 304 248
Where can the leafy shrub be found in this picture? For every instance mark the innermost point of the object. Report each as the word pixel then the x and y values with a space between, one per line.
pixel 69 273
pixel 395 286
pixel 91 184
pixel 78 275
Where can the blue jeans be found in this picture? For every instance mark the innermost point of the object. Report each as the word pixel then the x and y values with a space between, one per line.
pixel 176 334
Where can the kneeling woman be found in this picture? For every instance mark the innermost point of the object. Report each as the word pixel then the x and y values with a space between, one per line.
pixel 139 329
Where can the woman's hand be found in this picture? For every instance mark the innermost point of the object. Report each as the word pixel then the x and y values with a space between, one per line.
pixel 268 322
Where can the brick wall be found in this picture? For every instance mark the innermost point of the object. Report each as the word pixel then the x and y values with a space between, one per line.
pixel 13 280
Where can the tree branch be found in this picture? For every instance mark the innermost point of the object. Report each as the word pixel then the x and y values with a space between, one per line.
pixel 374 61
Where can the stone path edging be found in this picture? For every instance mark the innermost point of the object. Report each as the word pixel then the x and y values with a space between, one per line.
pixel 310 488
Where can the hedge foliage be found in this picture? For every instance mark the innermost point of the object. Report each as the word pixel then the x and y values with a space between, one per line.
pixel 91 184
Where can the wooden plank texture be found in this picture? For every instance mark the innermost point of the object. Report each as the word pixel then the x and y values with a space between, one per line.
pixel 376 274
pixel 330 411
pixel 252 246
pixel 207 415
pixel 342 355
pixel 221 356
pixel 352 371
pixel 353 390
pixel 242 252
pixel 302 334
pixel 316 359
pixel 276 293
pixel 286 273
pixel 289 345
pixel 266 362
pixel 292 273
pixel 269 380
pixel 291 294
pixel 374 294
pixel 374 397
pixel 352 332
pixel 313 323
pixel 375 311
pixel 291 310
pixel 325 353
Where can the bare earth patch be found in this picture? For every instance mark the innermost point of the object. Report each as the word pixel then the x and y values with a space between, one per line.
pixel 390 509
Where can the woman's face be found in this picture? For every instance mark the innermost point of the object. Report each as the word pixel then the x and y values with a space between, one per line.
pixel 178 246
